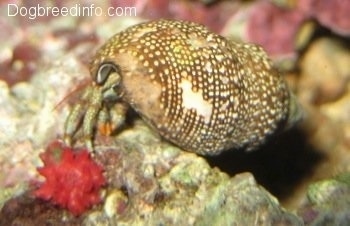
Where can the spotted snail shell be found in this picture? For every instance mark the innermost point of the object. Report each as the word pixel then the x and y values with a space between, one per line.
pixel 197 89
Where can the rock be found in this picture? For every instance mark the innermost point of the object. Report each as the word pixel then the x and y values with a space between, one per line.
pixel 155 183
pixel 328 202
pixel 325 71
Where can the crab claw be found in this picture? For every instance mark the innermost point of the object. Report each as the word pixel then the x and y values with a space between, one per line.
pixel 92 107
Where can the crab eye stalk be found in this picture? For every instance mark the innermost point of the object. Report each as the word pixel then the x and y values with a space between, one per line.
pixel 104 71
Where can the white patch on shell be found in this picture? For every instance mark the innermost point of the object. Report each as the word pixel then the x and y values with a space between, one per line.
pixel 194 100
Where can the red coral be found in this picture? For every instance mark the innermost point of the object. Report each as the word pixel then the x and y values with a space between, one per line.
pixel 73 179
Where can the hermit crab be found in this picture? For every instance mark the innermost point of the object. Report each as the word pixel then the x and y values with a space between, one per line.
pixel 201 91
